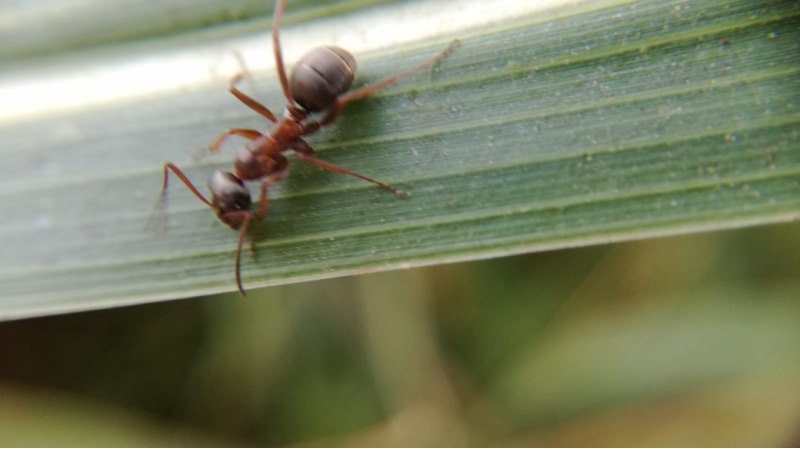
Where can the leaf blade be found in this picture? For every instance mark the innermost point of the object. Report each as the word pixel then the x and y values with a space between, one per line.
pixel 616 122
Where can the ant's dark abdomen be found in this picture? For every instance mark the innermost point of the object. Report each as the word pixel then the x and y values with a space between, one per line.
pixel 320 76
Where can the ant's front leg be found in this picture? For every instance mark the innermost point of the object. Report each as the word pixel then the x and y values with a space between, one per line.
pixel 305 153
pixel 278 168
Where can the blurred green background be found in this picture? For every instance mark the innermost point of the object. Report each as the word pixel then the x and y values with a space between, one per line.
pixel 688 340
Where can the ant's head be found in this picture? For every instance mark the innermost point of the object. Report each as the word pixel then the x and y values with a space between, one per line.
pixel 229 198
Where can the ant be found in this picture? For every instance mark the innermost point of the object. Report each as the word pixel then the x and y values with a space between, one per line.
pixel 319 83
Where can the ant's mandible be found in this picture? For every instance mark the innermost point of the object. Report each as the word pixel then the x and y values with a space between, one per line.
pixel 319 83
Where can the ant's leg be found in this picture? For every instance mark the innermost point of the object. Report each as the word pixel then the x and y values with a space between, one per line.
pixel 170 166
pixel 362 92
pixel 305 154
pixel 278 169
pixel 244 216
pixel 157 219
pixel 250 134
pixel 276 49
pixel 251 103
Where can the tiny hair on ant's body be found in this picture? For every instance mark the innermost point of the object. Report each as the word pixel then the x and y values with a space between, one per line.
pixel 319 83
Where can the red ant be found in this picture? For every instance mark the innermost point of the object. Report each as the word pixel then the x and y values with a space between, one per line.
pixel 319 82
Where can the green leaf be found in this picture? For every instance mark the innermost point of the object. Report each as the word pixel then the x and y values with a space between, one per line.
pixel 596 122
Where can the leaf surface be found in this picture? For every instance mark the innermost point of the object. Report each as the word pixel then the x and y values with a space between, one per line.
pixel 597 122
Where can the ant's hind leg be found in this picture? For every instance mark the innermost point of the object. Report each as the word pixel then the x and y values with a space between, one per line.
pixel 305 153
pixel 365 91
pixel 276 49
pixel 250 102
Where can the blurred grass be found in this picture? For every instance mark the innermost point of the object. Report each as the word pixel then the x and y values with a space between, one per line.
pixel 676 341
